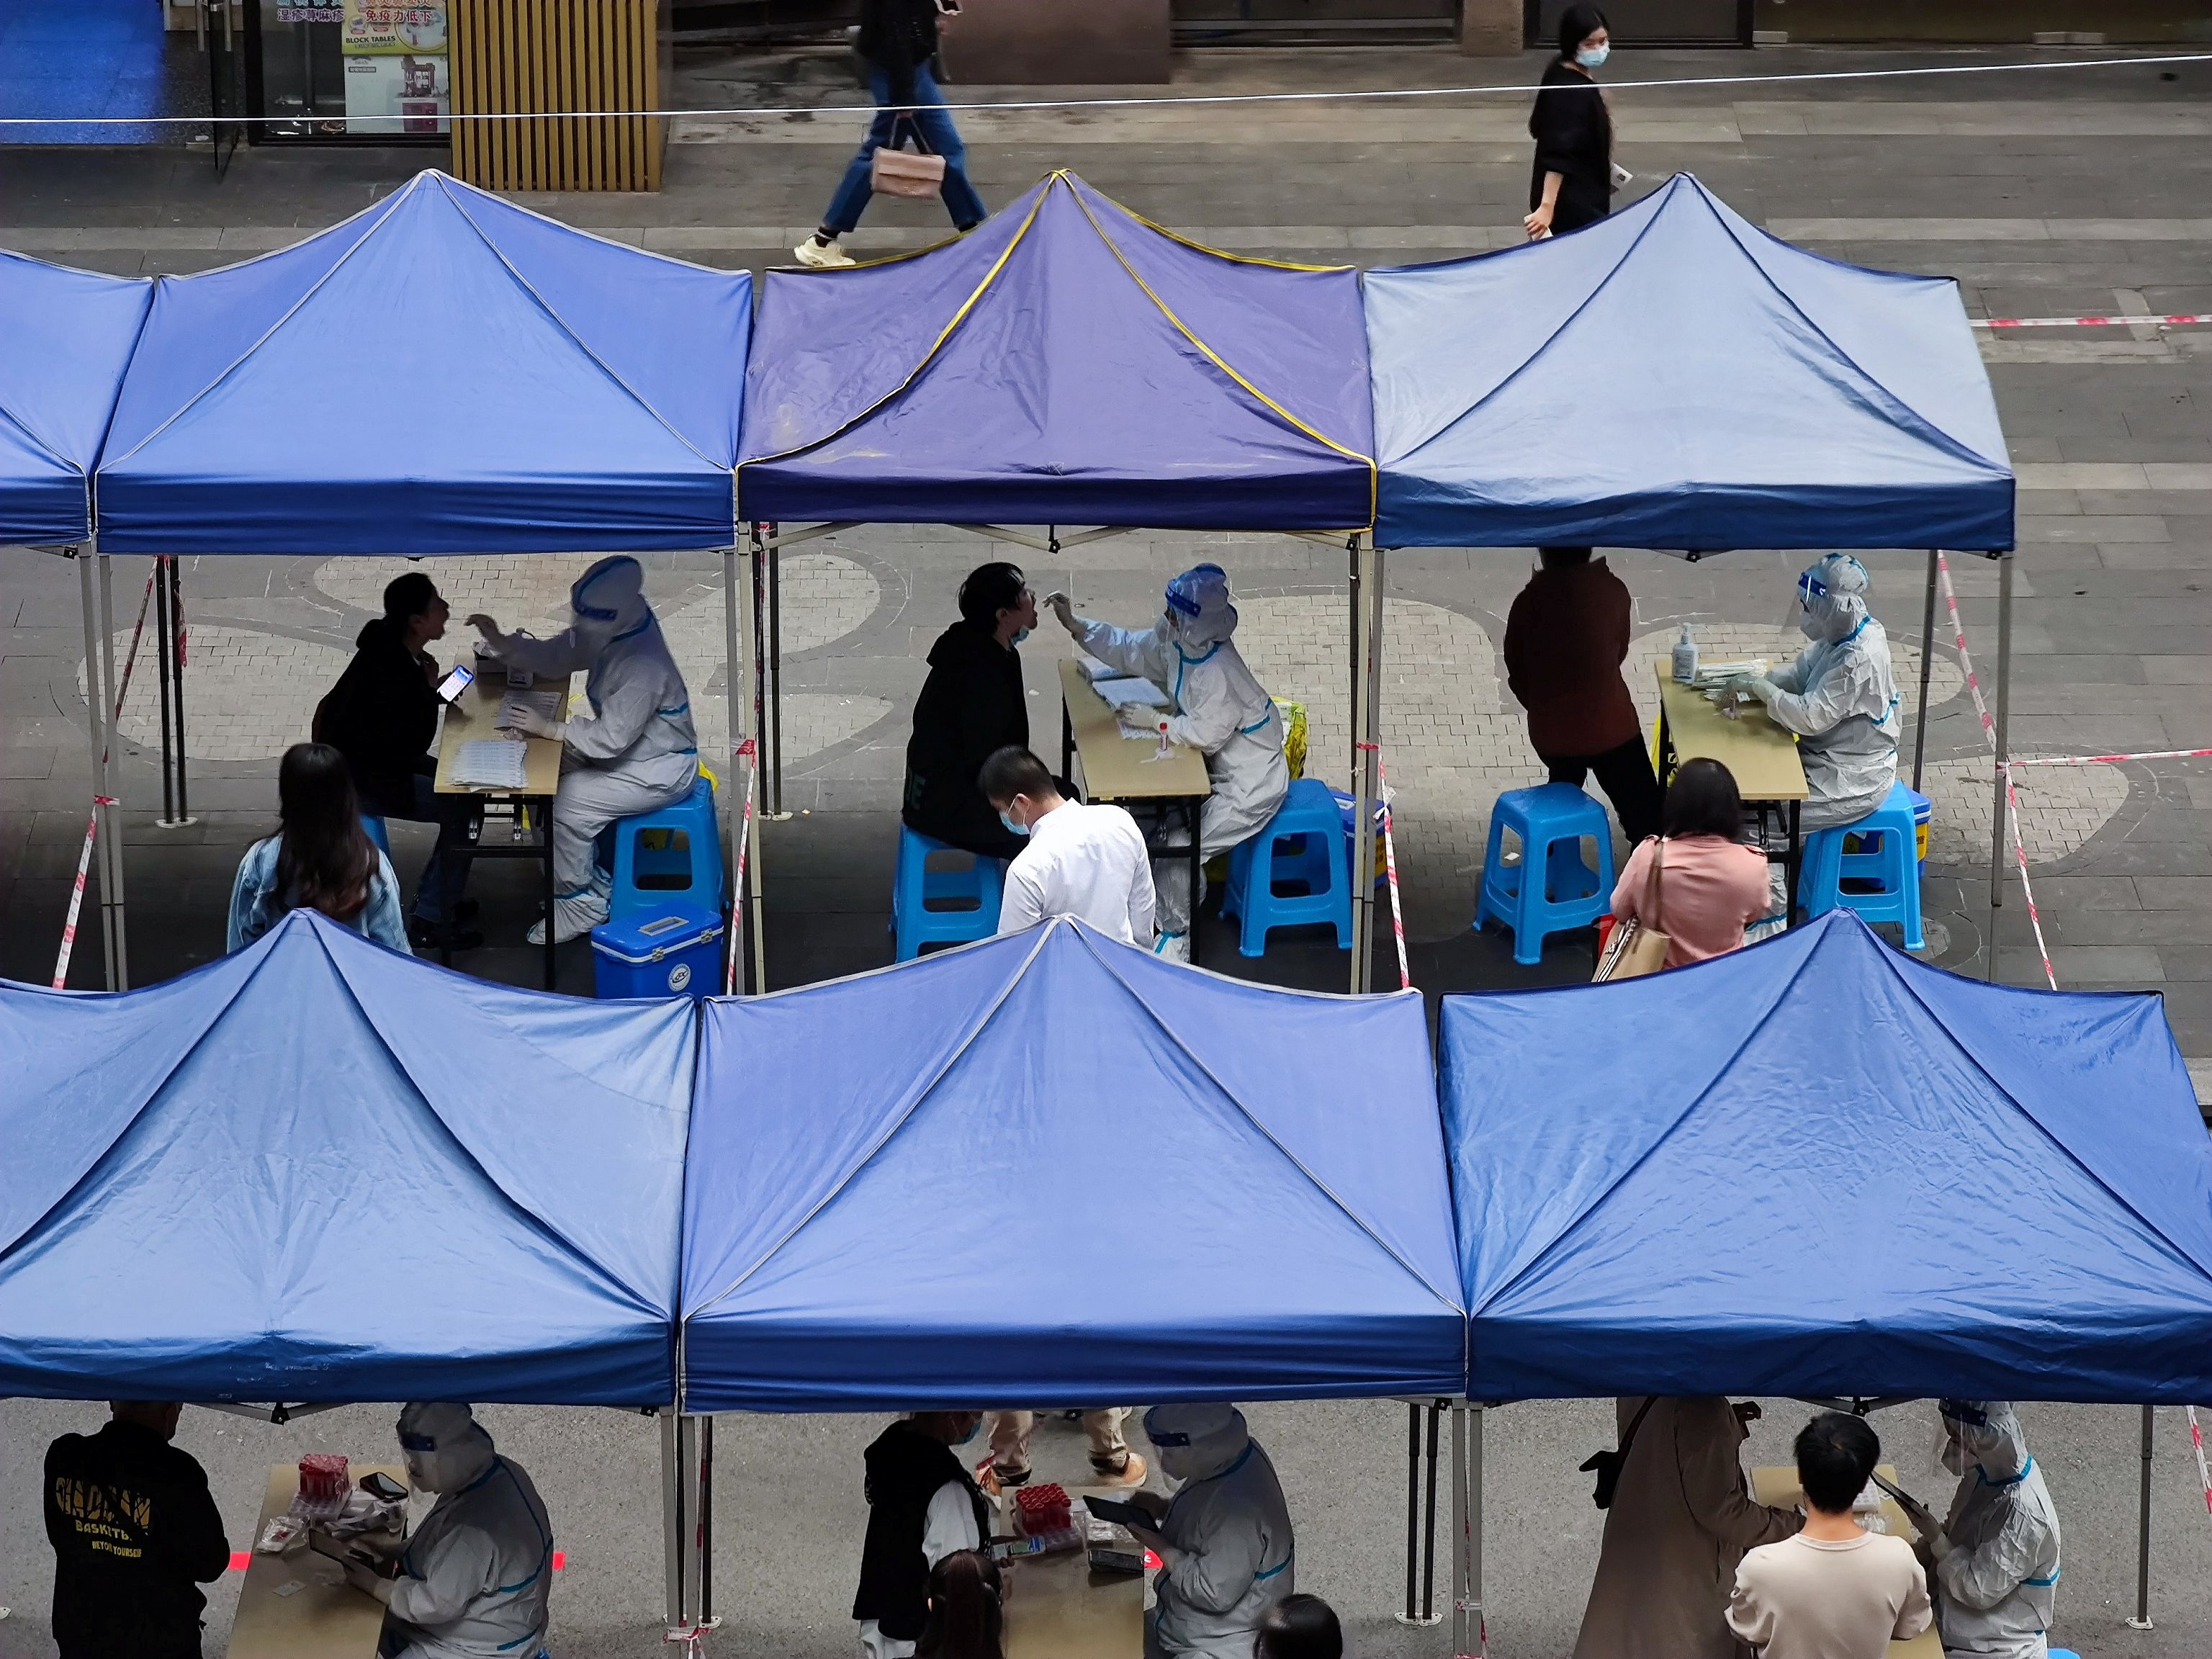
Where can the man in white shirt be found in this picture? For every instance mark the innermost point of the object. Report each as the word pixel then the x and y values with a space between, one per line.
pixel 1088 862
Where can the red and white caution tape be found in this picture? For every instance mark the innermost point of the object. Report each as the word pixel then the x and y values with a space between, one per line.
pixel 2111 760
pixel 2012 796
pixel 2203 1472
pixel 1390 868
pixel 92 823
pixel 749 752
pixel 2171 319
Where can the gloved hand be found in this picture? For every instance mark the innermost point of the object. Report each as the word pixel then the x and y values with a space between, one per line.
pixel 1754 685
pixel 368 1583
pixel 489 627
pixel 525 719
pixel 1063 608
pixel 1147 730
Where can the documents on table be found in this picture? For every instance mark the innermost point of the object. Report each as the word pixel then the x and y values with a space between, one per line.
pixel 490 764
pixel 1125 692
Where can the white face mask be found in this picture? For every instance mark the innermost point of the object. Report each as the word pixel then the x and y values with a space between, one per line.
pixel 1594 57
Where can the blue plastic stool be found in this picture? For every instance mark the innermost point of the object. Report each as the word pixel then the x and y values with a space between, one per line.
pixel 2064 1653
pixel 374 827
pixel 1885 855
pixel 1305 846
pixel 668 869
pixel 977 890
pixel 1552 821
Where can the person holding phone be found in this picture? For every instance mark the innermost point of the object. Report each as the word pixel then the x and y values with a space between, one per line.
pixel 382 715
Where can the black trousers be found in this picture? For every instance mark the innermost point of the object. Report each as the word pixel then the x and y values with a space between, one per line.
pixel 1625 775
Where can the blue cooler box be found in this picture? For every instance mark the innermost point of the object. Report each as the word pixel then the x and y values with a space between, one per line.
pixel 669 951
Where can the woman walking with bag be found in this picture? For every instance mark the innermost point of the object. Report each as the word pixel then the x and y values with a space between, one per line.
pixel 1700 885
pixel 897 39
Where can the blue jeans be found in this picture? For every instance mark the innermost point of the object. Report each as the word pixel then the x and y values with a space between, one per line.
pixel 448 871
pixel 938 133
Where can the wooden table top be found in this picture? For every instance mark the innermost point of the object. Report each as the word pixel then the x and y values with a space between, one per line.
pixel 1761 756
pixel 1115 768
pixel 472 717
pixel 325 1617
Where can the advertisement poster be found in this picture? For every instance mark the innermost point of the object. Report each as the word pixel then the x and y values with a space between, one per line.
pixel 397 75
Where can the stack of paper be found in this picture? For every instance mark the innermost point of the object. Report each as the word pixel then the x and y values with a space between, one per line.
pixel 1129 691
pixel 490 764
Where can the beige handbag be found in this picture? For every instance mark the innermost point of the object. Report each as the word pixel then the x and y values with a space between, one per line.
pixel 1636 948
pixel 896 172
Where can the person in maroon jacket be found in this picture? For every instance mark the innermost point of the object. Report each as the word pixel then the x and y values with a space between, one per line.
pixel 1565 639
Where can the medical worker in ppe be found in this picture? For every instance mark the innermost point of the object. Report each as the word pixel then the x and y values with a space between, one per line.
pixel 474 1579
pixel 637 753
pixel 1993 1566
pixel 1839 697
pixel 1217 707
pixel 1223 1540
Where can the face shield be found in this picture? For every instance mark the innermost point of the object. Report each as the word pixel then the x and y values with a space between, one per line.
pixel 1831 598
pixel 608 600
pixel 1196 1442
pixel 1198 611
pixel 443 1445
pixel 1983 1434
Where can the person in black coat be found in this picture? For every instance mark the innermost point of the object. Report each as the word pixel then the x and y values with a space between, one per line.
pixel 972 705
pixel 1570 184
pixel 135 1533
pixel 382 715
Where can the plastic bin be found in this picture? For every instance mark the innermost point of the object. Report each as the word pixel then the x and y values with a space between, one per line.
pixel 669 950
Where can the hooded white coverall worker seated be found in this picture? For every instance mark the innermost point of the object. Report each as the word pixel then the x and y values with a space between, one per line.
pixel 1224 1541
pixel 1995 1565
pixel 639 752
pixel 475 1577
pixel 1839 697
pixel 1216 705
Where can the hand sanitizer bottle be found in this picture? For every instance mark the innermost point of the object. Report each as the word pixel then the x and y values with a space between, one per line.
pixel 1686 657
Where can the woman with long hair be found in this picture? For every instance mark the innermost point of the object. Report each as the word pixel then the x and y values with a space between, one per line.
pixel 320 857
pixel 966 1619
pixel 1571 183
pixel 1698 881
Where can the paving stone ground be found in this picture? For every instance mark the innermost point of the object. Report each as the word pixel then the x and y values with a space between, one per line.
pixel 2065 193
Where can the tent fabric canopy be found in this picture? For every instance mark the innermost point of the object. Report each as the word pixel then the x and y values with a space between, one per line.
pixel 317 1170
pixel 1674 377
pixel 443 373
pixel 1061 1172
pixel 1065 362
pixel 69 334
pixel 1818 1167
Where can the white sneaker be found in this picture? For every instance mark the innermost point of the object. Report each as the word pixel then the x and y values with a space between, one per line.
pixel 823 255
pixel 568 930
pixel 1173 947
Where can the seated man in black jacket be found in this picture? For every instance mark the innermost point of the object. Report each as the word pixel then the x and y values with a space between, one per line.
pixel 972 706
pixel 135 1533
pixel 382 715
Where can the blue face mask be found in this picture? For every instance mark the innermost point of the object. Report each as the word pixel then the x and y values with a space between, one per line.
pixel 1594 57
pixel 1011 827
pixel 977 1428
pixel 1020 634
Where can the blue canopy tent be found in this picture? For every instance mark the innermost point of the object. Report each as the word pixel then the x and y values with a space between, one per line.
pixel 1066 363
pixel 69 335
pixel 1673 377
pixel 893 1198
pixel 441 372
pixel 319 1171
pixel 1819 1167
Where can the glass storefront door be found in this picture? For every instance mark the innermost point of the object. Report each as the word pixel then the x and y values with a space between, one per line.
pixel 350 70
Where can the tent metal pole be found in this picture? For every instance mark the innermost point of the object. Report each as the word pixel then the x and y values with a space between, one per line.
pixel 775 804
pixel 754 882
pixel 671 1515
pixel 161 662
pixel 2141 1621
pixel 1429 1523
pixel 1413 1506
pixel 687 1454
pixel 1927 665
pixel 1367 734
pixel 1476 1618
pixel 1997 819
pixel 705 1519
pixel 1459 1527
pixel 111 895
pixel 95 694
pixel 734 810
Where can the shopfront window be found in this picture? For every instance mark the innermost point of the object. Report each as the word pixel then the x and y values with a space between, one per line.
pixel 353 69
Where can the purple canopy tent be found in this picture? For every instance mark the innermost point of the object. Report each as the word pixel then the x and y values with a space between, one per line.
pixel 1067 361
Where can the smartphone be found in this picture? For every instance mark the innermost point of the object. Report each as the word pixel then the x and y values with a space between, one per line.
pixel 379 1485
pixel 1126 1515
pixel 1913 1507
pixel 450 688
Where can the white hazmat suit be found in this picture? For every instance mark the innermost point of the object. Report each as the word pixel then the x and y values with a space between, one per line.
pixel 474 1579
pixel 1996 1583
pixel 1225 1544
pixel 1839 697
pixel 1215 707
pixel 640 751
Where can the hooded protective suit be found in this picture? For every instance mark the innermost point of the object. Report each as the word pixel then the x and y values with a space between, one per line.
pixel 1839 697
pixel 1227 1555
pixel 474 1578
pixel 1216 708
pixel 1997 1584
pixel 640 751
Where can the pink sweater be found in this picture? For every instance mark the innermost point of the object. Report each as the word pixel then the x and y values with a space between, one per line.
pixel 1708 891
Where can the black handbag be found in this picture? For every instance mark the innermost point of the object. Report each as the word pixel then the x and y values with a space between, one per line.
pixel 1607 1465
